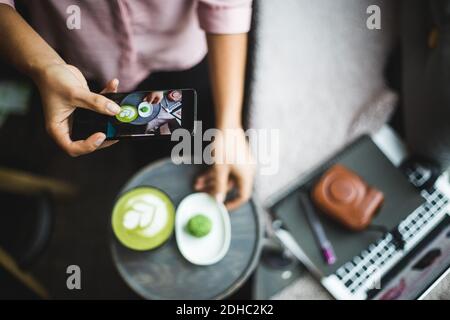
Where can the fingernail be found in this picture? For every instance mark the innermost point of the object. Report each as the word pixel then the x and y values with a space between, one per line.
pixel 220 197
pixel 113 108
pixel 99 142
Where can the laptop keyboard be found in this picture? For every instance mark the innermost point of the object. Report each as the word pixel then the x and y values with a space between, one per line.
pixel 364 271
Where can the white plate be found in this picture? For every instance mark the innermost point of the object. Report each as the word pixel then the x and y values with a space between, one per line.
pixel 211 248
pixel 147 105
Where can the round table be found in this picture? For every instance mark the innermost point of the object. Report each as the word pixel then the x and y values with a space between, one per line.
pixel 163 273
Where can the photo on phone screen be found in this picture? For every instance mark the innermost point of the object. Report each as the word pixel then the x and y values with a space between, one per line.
pixel 143 114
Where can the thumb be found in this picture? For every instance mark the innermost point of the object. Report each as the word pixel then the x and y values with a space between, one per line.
pixel 96 102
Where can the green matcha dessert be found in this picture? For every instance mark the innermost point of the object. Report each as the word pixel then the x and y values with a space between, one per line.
pixel 199 225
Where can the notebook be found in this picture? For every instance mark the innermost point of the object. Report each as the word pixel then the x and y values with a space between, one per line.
pixel 369 162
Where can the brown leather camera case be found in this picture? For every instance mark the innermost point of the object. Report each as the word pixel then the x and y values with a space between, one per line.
pixel 344 196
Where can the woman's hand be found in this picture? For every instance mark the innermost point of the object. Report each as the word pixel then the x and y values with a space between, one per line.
pixel 233 167
pixel 154 97
pixel 63 88
pixel 227 55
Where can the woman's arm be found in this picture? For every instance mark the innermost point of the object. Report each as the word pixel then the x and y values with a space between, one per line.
pixel 227 58
pixel 22 46
pixel 62 87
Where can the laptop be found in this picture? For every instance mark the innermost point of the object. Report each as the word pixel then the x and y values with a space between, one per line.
pixel 371 264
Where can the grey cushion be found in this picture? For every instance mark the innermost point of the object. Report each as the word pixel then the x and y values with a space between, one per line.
pixel 318 78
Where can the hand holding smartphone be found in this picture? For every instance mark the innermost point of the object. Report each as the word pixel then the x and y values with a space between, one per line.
pixel 144 114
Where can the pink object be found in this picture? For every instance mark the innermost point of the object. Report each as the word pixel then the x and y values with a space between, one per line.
pixel 329 255
pixel 174 95
pixel 129 39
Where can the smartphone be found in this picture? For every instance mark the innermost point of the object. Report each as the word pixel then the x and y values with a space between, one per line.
pixel 144 114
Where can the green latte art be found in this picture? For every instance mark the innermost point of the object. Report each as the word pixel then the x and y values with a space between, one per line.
pixel 143 218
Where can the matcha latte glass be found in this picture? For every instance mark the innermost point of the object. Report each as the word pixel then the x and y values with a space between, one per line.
pixel 143 218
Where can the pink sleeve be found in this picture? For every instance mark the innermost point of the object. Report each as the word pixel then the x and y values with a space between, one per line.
pixel 225 16
pixel 8 2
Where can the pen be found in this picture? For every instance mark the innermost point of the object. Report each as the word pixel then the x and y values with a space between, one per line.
pixel 317 228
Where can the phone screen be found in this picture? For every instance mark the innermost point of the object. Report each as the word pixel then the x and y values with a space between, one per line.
pixel 143 114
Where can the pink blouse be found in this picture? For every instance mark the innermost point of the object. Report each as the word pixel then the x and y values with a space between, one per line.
pixel 129 39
